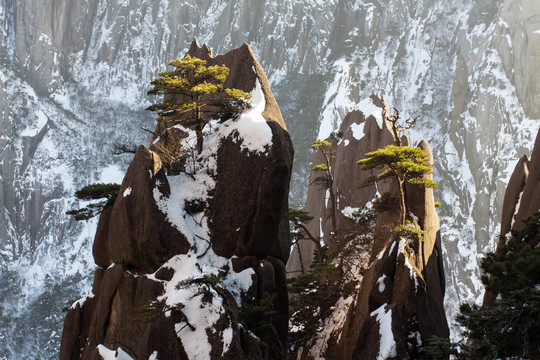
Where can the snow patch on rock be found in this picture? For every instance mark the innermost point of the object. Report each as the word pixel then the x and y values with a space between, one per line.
pixel 412 273
pixel 36 127
pixel 108 354
pixel 368 108
pixel 201 260
pixel 251 128
pixel 127 192
pixel 82 300
pixel 349 211
pixel 380 283
pixel 387 345
pixel 358 130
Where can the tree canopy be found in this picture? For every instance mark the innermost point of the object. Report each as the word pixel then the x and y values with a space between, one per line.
pixel 406 164
pixel 193 89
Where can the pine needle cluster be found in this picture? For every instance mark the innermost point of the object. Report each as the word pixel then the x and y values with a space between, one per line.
pixel 194 94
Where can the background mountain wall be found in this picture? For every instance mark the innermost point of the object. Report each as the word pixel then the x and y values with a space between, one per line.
pixel 73 81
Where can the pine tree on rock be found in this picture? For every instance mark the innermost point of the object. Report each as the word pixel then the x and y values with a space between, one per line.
pixel 509 328
pixel 99 191
pixel 194 93
pixel 406 164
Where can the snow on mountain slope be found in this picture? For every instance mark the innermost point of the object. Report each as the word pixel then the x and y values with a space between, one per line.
pixel 74 76
pixel 444 65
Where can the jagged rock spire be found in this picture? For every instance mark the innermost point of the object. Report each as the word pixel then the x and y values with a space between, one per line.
pixel 187 251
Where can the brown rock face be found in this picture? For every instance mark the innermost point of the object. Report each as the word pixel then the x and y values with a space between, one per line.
pixel 108 319
pixel 248 212
pixel 530 199
pixel 403 287
pixel 247 228
pixel 400 296
pixel 260 180
pixel 134 232
pixel 362 133
pixel 513 193
pixel 259 217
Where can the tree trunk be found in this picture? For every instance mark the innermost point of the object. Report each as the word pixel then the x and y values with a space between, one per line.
pixel 312 238
pixel 302 270
pixel 402 204
pixel 331 191
pixel 198 129
pixel 396 134
pixel 199 133
pixel 334 209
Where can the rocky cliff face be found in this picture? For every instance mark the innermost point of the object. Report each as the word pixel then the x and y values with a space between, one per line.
pixel 519 45
pixel 182 259
pixel 521 200
pixel 75 72
pixel 397 305
pixel 363 130
pixel 529 198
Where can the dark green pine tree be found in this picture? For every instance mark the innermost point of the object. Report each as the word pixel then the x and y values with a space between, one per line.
pixel 106 192
pixel 510 328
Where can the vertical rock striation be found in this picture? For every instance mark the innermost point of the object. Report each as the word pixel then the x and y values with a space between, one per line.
pixel 519 47
pixel 530 198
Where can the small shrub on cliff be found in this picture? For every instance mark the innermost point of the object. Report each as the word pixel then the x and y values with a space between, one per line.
pixel 108 192
pixel 442 348
pixel 384 202
pixel 347 249
pixel 258 315
pixel 149 312
pixel 194 93
pixel 213 280
pixel 410 232
pixel 311 297
pixel 154 309
pixel 172 155
pixel 98 191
